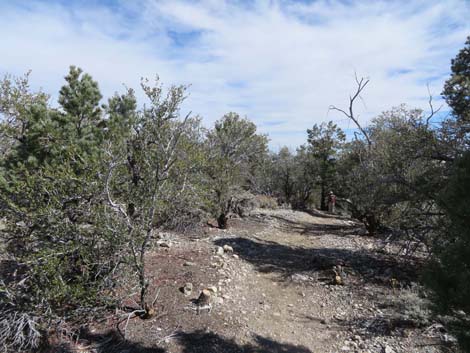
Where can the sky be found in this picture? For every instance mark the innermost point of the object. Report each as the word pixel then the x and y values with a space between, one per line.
pixel 281 63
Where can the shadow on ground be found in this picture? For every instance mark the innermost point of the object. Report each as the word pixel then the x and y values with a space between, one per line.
pixel 191 342
pixel 110 342
pixel 11 271
pixel 269 256
pixel 202 342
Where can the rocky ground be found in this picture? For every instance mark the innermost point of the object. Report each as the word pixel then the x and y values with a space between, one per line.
pixel 279 281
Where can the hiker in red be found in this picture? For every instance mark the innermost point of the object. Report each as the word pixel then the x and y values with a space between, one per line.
pixel 331 202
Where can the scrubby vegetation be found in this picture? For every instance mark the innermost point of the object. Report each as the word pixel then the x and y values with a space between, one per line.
pixel 84 188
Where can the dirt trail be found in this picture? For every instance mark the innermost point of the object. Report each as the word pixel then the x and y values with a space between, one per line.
pixel 275 292
pixel 282 286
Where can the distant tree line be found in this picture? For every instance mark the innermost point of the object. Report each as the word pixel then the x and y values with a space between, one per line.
pixel 85 186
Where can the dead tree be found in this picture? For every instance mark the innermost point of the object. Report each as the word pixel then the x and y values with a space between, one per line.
pixel 361 85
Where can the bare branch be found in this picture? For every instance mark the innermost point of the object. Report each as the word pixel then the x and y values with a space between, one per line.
pixel 361 85
pixel 114 205
pixel 433 112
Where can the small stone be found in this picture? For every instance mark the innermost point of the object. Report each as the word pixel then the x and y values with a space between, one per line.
pixel 388 349
pixel 165 244
pixel 220 250
pixel 187 289
pixel 297 277
pixel 213 289
pixel 189 263
pixel 277 314
pixel 235 256
pixel 227 248
pixel 345 348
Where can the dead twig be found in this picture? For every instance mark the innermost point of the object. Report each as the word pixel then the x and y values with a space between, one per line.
pixel 172 335
pixel 133 314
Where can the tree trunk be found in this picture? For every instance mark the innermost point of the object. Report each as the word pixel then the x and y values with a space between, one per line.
pixel 143 287
pixel 222 221
pixel 323 205
pixel 370 221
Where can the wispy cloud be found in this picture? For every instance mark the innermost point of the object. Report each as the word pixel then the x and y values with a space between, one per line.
pixel 281 63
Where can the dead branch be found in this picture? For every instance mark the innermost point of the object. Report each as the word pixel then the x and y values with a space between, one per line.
pixel 18 331
pixel 132 314
pixel 361 85
pixel 156 297
pixel 118 207
pixel 433 112
pixel 176 332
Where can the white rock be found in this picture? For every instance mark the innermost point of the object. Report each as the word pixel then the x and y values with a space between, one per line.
pixel 227 248
pixel 188 289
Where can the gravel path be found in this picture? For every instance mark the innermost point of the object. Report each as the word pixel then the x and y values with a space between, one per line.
pixel 275 291
pixel 281 286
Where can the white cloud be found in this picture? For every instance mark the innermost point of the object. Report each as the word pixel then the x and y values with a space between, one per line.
pixel 271 60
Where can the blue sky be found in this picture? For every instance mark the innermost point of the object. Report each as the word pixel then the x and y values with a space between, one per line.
pixel 281 63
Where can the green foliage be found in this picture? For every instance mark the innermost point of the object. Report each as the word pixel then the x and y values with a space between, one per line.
pixel 393 182
pixel 294 177
pixel 51 196
pixel 83 188
pixel 324 142
pixel 80 98
pixel 153 172
pixel 232 148
pixel 297 179
pixel 51 185
pixel 457 88
pixel 284 171
pixel 449 275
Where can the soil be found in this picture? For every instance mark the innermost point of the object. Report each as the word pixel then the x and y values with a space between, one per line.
pixel 277 292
